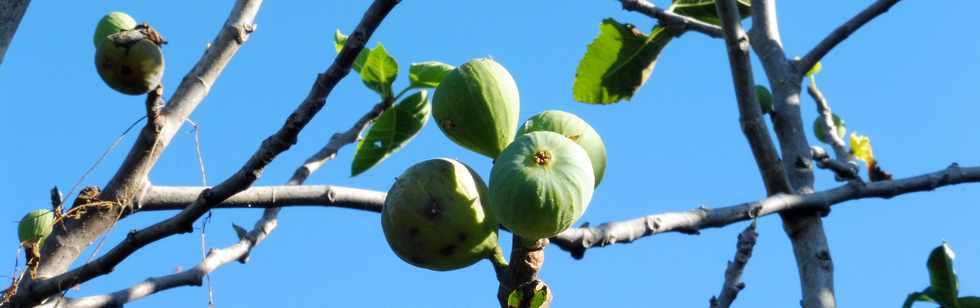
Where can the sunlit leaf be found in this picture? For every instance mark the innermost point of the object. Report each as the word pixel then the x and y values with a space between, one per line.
pixel 427 74
pixel 538 299
pixel 339 39
pixel 617 63
pixel 704 10
pixel 379 71
pixel 391 131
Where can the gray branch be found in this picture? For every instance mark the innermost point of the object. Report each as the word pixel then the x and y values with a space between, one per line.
pixel 841 154
pixel 733 272
pixel 804 228
pixel 11 13
pixel 671 19
pixel 841 33
pixel 72 237
pixel 750 112
pixel 577 240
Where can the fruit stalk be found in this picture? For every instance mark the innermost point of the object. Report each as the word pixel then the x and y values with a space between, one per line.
pixel 526 259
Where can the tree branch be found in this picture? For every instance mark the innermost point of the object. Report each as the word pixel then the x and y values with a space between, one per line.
pixel 733 272
pixel 526 260
pixel 249 172
pixel 841 33
pixel 804 228
pixel 671 19
pixel 842 155
pixel 750 112
pixel 71 237
pixel 11 13
pixel 577 240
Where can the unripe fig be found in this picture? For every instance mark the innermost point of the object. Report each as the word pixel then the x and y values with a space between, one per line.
pixel 576 129
pixel 112 23
pixel 129 62
pixel 819 130
pixel 765 99
pixel 434 216
pixel 476 105
pixel 35 226
pixel 541 184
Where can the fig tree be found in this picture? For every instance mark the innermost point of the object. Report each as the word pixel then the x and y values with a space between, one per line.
pixel 434 218
pixel 476 105
pixel 576 129
pixel 541 184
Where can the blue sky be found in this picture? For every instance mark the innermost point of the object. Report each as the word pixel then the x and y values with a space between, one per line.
pixel 906 81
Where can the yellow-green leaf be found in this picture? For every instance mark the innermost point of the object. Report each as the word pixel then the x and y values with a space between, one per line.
pixel 617 62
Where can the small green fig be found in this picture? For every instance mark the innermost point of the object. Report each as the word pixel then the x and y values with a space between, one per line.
pixel 434 216
pixel 129 62
pixel 765 99
pixel 576 129
pixel 819 128
pixel 35 226
pixel 541 184
pixel 112 23
pixel 476 105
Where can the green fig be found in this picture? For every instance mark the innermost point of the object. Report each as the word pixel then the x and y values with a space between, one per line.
pixel 476 105
pixel 35 226
pixel 765 99
pixel 129 62
pixel 576 129
pixel 112 23
pixel 541 184
pixel 820 131
pixel 434 216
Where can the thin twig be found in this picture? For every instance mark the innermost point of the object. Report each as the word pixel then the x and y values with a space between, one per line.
pixel 841 33
pixel 671 19
pixel 733 272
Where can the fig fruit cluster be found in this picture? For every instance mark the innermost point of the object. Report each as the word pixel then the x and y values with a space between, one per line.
pixel 127 55
pixel 439 214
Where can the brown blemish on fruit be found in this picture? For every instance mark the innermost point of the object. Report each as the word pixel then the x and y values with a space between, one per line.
pixel 413 232
pixel 461 237
pixel 574 137
pixel 433 211
pixel 448 124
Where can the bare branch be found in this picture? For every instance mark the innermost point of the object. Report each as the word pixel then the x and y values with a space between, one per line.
pixel 247 174
pixel 750 113
pixel 162 198
pixel 671 19
pixel 804 228
pixel 842 170
pixel 71 237
pixel 338 141
pixel 733 272
pixel 577 240
pixel 11 13
pixel 841 33
pixel 842 155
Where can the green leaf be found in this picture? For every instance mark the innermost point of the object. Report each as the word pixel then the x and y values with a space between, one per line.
pixel 704 10
pixel 379 71
pixel 391 131
pixel 617 62
pixel 765 99
pixel 942 278
pixel 428 74
pixel 339 39
pixel 969 302
pixel 918 297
